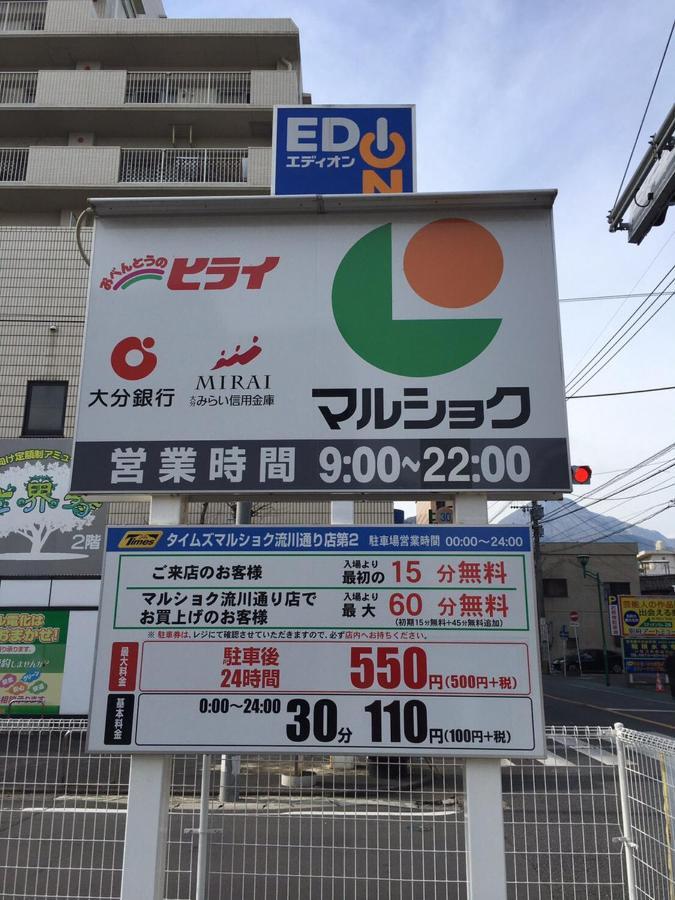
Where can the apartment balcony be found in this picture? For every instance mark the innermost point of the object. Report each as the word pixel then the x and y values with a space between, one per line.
pixel 111 102
pixel 34 33
pixel 23 15
pixel 184 166
pixel 18 88
pixel 188 88
pixel 43 178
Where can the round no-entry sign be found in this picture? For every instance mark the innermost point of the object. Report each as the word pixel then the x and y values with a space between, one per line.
pixel 574 617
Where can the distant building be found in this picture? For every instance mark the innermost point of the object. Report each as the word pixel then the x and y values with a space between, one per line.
pixel 660 561
pixel 566 590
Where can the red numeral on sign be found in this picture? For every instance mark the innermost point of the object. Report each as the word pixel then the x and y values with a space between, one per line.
pixel 405 605
pixel 386 669
pixel 412 572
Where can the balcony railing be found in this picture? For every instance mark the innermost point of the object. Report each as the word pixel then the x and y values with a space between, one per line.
pixel 22 15
pixel 13 163
pixel 18 87
pixel 189 165
pixel 188 87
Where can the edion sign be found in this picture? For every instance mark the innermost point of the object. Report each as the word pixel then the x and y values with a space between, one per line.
pixel 343 150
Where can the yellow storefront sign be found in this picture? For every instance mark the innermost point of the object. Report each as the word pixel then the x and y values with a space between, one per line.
pixel 647 615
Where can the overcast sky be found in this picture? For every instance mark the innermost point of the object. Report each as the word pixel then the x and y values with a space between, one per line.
pixel 528 94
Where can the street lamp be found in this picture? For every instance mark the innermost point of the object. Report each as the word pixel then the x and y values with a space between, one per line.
pixel 583 562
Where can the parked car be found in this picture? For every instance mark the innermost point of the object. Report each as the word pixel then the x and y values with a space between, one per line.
pixel 591 661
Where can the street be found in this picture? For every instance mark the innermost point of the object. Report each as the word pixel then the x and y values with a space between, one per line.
pixel 586 700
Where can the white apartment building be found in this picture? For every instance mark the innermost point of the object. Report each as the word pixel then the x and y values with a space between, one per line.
pixel 112 98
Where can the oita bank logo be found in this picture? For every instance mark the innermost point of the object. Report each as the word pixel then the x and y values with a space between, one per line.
pixel 450 263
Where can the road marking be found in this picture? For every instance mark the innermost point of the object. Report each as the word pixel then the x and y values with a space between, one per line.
pixel 616 691
pixel 607 709
pixel 573 743
pixel 553 759
pixel 639 709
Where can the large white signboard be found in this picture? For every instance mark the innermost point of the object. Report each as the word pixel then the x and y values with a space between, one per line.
pixel 349 639
pixel 399 350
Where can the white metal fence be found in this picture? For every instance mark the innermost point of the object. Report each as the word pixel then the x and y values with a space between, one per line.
pixel 193 165
pixel 593 820
pixel 18 87
pixel 22 15
pixel 188 87
pixel 13 163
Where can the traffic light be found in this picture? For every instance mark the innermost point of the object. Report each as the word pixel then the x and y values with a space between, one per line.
pixel 581 474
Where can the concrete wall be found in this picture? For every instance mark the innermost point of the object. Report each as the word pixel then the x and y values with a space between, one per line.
pixel 79 87
pixel 71 16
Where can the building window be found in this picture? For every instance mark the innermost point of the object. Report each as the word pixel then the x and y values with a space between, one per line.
pixel 555 587
pixel 45 409
pixel 617 588
pixel 133 8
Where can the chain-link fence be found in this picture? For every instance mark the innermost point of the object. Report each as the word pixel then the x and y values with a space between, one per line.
pixel 592 820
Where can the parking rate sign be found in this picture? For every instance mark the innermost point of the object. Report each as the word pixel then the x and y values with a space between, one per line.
pixel 338 639
pixel 343 149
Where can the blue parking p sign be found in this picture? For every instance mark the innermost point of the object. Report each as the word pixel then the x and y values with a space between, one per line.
pixel 343 150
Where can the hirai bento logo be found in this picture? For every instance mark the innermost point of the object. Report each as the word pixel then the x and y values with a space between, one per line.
pixel 205 273
pixel 450 263
pixel 141 268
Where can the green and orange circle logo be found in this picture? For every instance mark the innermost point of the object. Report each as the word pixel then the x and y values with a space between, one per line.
pixel 450 263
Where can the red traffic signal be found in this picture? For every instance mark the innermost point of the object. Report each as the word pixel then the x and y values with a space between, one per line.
pixel 581 474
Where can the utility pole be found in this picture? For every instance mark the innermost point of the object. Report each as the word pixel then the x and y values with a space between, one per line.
pixel 589 573
pixel 536 515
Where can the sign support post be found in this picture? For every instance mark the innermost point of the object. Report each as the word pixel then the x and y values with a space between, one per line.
pixel 230 765
pixel 144 864
pixel 486 863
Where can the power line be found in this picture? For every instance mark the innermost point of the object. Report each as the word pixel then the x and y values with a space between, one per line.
pixel 644 114
pixel 627 487
pixel 625 527
pixel 616 336
pixel 598 526
pixel 629 338
pixel 624 473
pixel 621 306
pixel 670 387
pixel 601 358
pixel 602 297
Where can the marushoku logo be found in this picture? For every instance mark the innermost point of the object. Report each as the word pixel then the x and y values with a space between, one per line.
pixel 450 263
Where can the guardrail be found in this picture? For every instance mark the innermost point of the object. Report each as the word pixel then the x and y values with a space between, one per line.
pixel 188 87
pixel 184 166
pixel 22 15
pixel 13 163
pixel 593 820
pixel 18 87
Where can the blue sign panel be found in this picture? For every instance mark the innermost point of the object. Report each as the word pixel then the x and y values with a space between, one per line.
pixel 344 150
pixel 646 655
pixel 310 539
